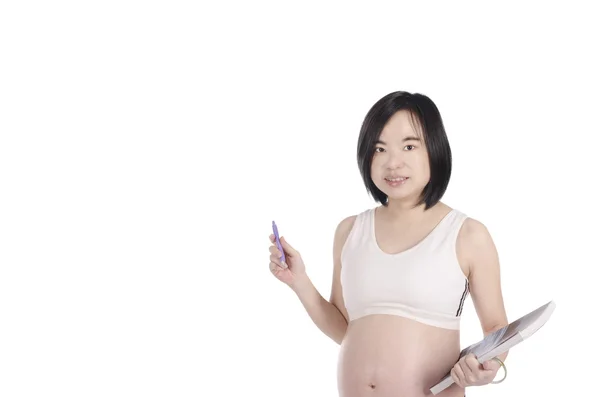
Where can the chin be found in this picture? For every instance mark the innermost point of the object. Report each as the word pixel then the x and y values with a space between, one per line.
pixel 401 193
pixel 399 197
pixel 395 195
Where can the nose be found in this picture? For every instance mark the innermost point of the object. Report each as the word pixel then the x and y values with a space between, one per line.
pixel 395 160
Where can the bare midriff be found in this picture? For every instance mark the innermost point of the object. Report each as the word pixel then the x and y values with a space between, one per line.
pixel 391 356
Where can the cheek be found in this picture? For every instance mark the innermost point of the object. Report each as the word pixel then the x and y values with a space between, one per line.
pixel 376 165
pixel 374 171
pixel 424 165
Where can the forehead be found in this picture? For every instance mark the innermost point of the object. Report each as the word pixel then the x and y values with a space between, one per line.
pixel 401 125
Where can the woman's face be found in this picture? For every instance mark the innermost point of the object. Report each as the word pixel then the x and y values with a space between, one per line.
pixel 400 167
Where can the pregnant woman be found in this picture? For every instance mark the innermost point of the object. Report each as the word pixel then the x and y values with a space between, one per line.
pixel 403 269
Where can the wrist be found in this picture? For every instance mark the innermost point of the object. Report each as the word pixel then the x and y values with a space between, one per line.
pixel 301 284
pixel 501 362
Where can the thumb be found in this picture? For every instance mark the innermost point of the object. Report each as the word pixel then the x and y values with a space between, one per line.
pixel 489 365
pixel 289 250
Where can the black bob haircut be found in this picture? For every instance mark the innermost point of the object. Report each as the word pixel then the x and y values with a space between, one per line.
pixel 429 120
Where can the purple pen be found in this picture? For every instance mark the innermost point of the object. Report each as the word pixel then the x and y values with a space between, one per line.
pixel 276 233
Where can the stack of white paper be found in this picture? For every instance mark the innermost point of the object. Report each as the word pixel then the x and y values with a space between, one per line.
pixel 502 340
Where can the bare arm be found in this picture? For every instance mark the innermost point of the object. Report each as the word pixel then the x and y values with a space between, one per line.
pixel 330 316
pixel 484 276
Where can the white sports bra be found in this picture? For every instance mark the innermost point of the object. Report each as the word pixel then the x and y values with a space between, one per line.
pixel 424 283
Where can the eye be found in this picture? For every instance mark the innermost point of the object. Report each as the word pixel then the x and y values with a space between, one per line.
pixel 379 150
pixel 411 146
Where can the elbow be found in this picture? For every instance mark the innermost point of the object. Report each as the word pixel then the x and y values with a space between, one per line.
pixel 490 329
pixel 339 338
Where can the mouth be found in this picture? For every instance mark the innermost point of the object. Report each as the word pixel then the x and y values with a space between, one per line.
pixel 396 181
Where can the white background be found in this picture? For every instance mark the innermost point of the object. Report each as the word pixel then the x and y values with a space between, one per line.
pixel 146 147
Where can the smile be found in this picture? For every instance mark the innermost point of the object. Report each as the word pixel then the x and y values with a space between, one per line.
pixel 398 179
pixel 396 182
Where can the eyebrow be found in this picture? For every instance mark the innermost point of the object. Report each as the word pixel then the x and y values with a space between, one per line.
pixel 408 138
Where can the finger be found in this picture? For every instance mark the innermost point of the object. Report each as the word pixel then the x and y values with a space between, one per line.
pixel 472 364
pixel 477 371
pixel 281 264
pixel 464 366
pixel 276 257
pixel 273 267
pixel 276 267
pixel 272 237
pixel 277 260
pixel 457 376
pixel 468 376
pixel 491 365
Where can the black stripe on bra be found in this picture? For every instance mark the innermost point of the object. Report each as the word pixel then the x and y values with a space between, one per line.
pixel 462 299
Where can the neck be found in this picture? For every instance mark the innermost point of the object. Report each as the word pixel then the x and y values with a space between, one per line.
pixel 403 210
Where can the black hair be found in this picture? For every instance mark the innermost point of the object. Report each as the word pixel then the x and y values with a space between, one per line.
pixel 429 119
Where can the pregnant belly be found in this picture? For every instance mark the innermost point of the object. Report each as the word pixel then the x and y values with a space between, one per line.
pixel 390 356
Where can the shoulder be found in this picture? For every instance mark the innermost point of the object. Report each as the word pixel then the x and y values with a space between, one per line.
pixel 342 232
pixel 475 241
pixel 344 227
pixel 347 224
pixel 473 231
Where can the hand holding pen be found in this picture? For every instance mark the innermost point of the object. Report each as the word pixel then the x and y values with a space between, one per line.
pixel 285 262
